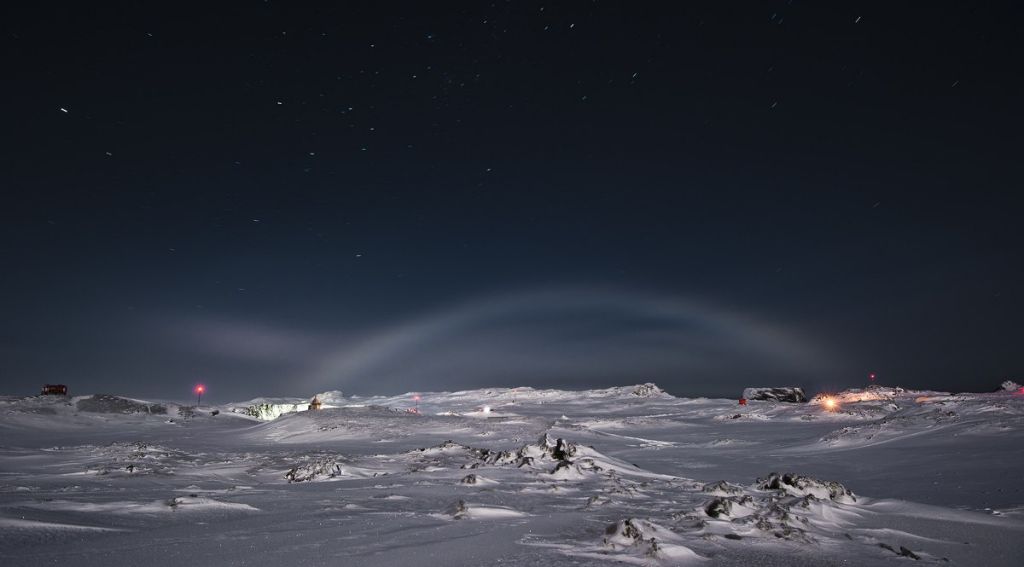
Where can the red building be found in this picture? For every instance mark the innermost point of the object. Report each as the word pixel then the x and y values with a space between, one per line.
pixel 54 390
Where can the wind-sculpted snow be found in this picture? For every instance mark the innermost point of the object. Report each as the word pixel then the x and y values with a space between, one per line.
pixel 462 511
pixel 135 459
pixel 178 504
pixel 105 403
pixel 518 476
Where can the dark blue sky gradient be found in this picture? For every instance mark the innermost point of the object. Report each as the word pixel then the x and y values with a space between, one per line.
pixel 288 186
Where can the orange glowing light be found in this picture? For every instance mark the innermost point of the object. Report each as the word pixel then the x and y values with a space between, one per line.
pixel 830 404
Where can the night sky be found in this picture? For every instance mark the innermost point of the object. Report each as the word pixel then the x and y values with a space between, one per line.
pixel 280 198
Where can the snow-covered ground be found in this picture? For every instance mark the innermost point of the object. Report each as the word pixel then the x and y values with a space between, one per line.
pixel 515 477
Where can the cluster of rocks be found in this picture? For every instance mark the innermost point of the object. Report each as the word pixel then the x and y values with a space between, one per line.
pixel 558 457
pixel 564 456
pixel 647 390
pixel 784 394
pixel 806 485
pixel 634 534
pixel 321 467
pixel 137 458
pixel 782 506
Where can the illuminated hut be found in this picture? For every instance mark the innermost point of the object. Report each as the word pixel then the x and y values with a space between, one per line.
pixel 54 390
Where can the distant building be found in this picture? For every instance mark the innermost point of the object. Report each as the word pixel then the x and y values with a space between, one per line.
pixel 54 390
pixel 315 403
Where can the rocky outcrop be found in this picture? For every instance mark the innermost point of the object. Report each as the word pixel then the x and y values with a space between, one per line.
pixel 781 394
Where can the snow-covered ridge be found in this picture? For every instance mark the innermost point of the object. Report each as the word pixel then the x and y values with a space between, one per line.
pixel 465 402
pixel 458 402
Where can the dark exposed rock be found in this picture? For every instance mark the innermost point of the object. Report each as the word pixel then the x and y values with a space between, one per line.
pixel 563 450
pixel 322 467
pixel 647 390
pixel 902 552
pixel 458 510
pixel 722 506
pixel 718 507
pixel 804 485
pixel 783 394
pixel 722 487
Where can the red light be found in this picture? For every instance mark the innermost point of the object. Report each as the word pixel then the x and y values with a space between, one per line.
pixel 417 398
pixel 200 389
pixel 871 376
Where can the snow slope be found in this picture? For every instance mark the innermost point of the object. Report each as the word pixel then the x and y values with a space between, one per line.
pixel 516 476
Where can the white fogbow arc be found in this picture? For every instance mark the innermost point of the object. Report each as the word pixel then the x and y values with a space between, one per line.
pixel 364 359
